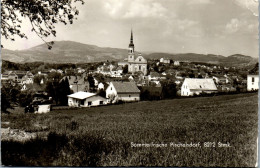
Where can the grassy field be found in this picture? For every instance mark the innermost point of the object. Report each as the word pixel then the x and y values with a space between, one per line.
pixel 102 136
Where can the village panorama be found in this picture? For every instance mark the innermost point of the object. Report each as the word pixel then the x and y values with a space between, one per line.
pixel 146 101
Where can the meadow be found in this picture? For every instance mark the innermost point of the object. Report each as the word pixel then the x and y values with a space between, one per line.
pixel 102 136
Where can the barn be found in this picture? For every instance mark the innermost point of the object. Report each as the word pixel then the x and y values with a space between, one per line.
pixel 195 86
pixel 85 99
pixel 125 91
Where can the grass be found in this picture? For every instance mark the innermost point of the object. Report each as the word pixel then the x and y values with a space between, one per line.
pixel 102 136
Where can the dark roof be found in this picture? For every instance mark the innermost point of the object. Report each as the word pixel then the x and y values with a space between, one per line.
pixel 126 87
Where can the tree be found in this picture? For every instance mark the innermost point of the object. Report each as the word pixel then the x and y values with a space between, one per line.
pixel 42 14
pixel 63 91
pixel 9 94
pixel 102 93
pixel 169 90
pixel 125 69
pixel 25 98
pixel 91 82
pixel 38 78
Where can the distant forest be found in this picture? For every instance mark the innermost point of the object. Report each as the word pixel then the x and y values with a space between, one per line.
pixel 38 66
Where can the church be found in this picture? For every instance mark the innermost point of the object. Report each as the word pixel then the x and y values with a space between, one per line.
pixel 136 63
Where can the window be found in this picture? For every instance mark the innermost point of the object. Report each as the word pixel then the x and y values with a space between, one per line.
pixel 129 95
pixel 200 86
pixel 111 88
pixel 100 102
pixel 140 59
pixel 82 102
pixel 139 67
pixel 253 79
pixel 89 103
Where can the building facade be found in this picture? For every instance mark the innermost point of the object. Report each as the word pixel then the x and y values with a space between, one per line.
pixel 85 99
pixel 252 82
pixel 196 86
pixel 125 91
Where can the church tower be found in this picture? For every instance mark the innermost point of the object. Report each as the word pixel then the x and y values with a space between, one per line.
pixel 131 49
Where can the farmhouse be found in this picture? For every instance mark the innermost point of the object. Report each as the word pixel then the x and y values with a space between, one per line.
pixel 125 91
pixel 252 82
pixel 85 99
pixel 192 86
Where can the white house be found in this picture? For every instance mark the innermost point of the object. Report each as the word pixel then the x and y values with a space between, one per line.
pixel 27 80
pixel 101 86
pixel 176 63
pixel 125 91
pixel 252 82
pixel 85 99
pixel 193 86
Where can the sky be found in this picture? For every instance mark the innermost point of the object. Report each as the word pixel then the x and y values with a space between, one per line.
pixel 221 27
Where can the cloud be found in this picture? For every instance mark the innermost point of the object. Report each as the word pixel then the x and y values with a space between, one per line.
pixel 232 26
pixel 251 5
pixel 235 25
pixel 125 9
pixel 198 2
pixel 113 7
pixel 145 9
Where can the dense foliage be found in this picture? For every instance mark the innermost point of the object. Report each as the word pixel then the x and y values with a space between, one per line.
pixel 42 14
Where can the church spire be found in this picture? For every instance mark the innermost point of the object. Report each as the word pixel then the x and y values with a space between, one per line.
pixel 131 40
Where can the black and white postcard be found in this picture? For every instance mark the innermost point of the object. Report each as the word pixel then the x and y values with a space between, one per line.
pixel 169 83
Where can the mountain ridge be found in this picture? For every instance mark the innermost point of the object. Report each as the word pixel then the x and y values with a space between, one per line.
pixel 76 52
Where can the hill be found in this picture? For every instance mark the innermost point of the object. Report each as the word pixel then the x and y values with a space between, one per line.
pixel 236 59
pixel 74 52
pixel 64 52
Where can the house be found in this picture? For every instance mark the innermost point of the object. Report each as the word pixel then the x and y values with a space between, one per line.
pixel 125 91
pixel 85 99
pixel 20 75
pixel 161 60
pixel 43 108
pixel 192 86
pixel 155 76
pixel 176 63
pixel 24 87
pixel 27 79
pixel 101 86
pixel 119 69
pixel 252 82
pixel 131 78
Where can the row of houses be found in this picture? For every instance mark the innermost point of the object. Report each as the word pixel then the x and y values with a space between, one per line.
pixel 116 91
pixel 22 77
pixel 128 91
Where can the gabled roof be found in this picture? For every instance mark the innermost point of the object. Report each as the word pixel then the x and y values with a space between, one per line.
pixel 200 84
pixel 81 95
pixel 140 57
pixel 126 87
